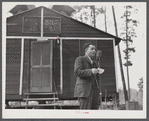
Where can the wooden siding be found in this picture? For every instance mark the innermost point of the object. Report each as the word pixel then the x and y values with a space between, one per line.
pixel 13 58
pixel 72 49
pixel 56 65
pixel 108 79
pixel 15 23
pixel 69 26
pixel 70 52
pixel 26 66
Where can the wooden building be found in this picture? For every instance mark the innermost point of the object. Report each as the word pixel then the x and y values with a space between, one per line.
pixel 41 48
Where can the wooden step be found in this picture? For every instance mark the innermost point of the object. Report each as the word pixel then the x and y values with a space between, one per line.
pixel 44 105
pixel 54 104
pixel 48 93
pixel 40 99
pixel 34 105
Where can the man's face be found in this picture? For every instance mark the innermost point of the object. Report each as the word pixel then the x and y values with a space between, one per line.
pixel 91 51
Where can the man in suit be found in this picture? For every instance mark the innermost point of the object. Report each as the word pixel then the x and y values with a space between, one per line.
pixel 87 82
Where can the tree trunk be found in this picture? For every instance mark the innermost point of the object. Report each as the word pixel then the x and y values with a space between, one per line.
pixel 127 56
pixel 120 61
pixel 105 21
pixel 93 8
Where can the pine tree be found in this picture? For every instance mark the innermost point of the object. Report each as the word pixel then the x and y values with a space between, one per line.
pixel 129 33
pixel 140 84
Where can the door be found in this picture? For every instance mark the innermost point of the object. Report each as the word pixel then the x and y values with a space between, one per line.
pixel 41 66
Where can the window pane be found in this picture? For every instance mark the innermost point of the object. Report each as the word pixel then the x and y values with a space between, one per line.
pixel 36 77
pixel 46 53
pixel 36 47
pixel 45 77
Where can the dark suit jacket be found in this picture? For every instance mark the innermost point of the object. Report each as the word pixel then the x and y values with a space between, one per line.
pixel 85 78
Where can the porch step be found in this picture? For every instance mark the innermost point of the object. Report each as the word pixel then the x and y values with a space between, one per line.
pixel 49 104
pixel 49 93
pixel 53 104
pixel 29 99
pixel 35 105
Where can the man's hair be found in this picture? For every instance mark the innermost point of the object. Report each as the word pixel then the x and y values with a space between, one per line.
pixel 87 45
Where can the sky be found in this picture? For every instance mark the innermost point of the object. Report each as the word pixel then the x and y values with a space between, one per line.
pixel 138 58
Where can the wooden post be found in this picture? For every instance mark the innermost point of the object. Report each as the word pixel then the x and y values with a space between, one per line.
pixel 120 61
pixel 94 16
pixel 93 11
pixel 105 21
pixel 106 98
pixel 61 68
pixel 42 22
pixel 21 66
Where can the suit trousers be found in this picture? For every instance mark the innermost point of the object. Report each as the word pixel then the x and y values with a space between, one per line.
pixel 92 101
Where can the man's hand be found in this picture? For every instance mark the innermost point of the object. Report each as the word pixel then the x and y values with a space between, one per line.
pixel 95 71
pixel 99 70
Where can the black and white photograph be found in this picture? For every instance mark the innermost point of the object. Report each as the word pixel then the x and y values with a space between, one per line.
pixel 74 60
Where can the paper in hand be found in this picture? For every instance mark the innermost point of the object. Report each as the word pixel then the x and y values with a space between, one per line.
pixel 101 70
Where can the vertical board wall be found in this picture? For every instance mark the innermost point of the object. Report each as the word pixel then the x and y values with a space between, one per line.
pixel 13 59
pixel 74 48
